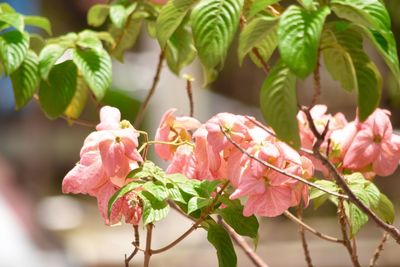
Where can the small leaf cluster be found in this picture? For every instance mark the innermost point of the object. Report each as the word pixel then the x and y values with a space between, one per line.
pixel 197 199
pixel 366 191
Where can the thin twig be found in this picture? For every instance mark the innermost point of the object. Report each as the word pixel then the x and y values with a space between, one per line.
pixel 317 81
pixel 311 229
pixel 203 216
pixel 156 79
pixel 241 242
pixel 343 226
pixel 306 250
pixel 266 164
pixel 135 243
pixel 392 230
pixel 148 251
pixel 378 250
pixel 189 91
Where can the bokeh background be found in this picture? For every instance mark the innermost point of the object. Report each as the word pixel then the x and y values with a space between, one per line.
pixel 41 227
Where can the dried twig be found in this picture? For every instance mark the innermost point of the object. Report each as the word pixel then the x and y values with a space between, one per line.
pixel 378 250
pixel 135 243
pixel 148 251
pixel 306 250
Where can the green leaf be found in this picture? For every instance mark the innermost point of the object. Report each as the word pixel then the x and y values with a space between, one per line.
pixel 6 8
pixel 25 80
pixel 357 219
pixel 197 203
pixel 214 24
pixel 338 60
pixel 153 209
pixel 14 20
pixel 170 18
pixel 367 76
pixel 180 51
pixel 260 32
pixel 48 57
pixel 125 38
pixel 78 102
pixel 56 93
pixel 385 43
pixel 205 188
pixel 89 39
pixel 118 15
pixel 233 215
pixel 38 21
pixel 95 66
pixel 175 194
pixel 319 197
pixel 13 48
pixel 184 184
pixel 279 104
pixel 385 209
pixel 259 5
pixel 158 191
pixel 121 193
pixel 369 13
pixel 220 239
pixel 299 33
pixel 97 15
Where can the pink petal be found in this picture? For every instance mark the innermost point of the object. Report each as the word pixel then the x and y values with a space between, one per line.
pixel 109 118
pixel 362 151
pixel 103 196
pixel 86 177
pixel 387 161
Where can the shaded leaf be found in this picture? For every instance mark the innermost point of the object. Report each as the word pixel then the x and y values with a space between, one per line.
pixel 95 66
pixel 56 93
pixel 78 102
pixel 279 104
pixel 48 57
pixel 25 80
pixel 13 48
pixel 220 239
pixel 299 33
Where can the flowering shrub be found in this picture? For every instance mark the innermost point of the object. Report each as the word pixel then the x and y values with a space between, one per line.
pixel 223 173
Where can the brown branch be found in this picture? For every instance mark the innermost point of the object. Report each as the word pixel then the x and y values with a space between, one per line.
pixel 135 243
pixel 343 226
pixel 241 242
pixel 306 250
pixel 307 227
pixel 378 250
pixel 148 251
pixel 203 216
pixel 392 230
pixel 156 79
pixel 266 164
pixel 317 81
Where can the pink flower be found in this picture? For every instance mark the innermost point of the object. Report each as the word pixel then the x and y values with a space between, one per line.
pixel 173 129
pixel 107 156
pixel 183 162
pixel 269 192
pixel 376 145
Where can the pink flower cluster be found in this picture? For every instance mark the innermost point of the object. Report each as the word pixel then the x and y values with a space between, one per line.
pixel 202 151
pixel 369 147
pixel 106 158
